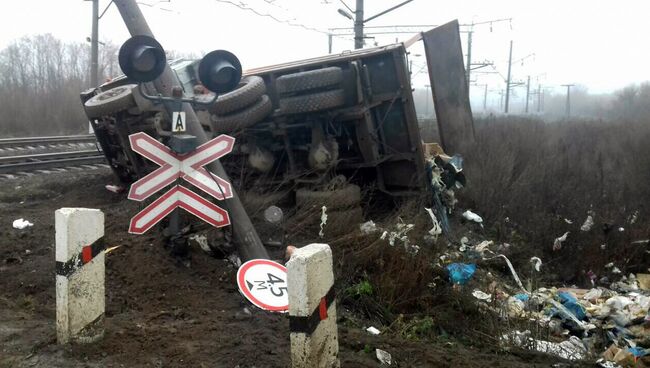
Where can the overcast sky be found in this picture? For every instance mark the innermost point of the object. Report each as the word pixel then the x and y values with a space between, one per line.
pixel 599 44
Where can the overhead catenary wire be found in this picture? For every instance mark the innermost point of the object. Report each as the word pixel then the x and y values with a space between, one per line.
pixel 246 7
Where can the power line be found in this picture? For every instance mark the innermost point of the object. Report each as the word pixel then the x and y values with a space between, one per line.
pixel 244 6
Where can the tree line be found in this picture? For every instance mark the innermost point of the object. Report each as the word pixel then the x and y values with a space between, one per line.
pixel 41 78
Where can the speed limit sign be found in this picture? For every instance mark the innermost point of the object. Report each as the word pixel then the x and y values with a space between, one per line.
pixel 264 283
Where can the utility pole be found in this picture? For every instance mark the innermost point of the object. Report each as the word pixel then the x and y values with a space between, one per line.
pixel 94 47
pixel 500 99
pixel 249 243
pixel 539 98
pixel 469 53
pixel 329 39
pixel 358 25
pixel 527 93
pixel 508 80
pixel 568 99
pixel 485 98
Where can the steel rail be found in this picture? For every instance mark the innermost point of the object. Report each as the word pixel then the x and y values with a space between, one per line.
pixel 24 141
pixel 14 164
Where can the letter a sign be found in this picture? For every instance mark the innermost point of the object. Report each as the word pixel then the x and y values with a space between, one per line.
pixel 178 122
pixel 188 167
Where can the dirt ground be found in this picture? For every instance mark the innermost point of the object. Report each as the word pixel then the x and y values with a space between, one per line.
pixel 159 311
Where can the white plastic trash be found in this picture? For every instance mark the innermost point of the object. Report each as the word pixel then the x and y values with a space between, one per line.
pixel 384 357
pixel 21 224
pixel 373 331
pixel 471 216
pixel 589 222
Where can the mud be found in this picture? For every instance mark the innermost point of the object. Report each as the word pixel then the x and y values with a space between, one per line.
pixel 161 311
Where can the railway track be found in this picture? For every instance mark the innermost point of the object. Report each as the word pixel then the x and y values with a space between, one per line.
pixel 44 161
pixel 26 142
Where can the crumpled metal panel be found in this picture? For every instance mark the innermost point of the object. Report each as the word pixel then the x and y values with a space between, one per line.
pixel 449 87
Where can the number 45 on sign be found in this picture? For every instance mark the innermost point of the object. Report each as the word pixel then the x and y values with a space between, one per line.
pixel 264 283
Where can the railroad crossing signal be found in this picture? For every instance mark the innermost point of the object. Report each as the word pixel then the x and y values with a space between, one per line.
pixel 173 167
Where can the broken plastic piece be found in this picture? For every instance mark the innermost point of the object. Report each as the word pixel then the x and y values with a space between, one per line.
pixel 368 227
pixel 21 223
pixel 114 188
pixel 537 263
pixel 480 295
pixel 471 216
pixel 373 331
pixel 588 224
pixel 557 244
pixel 384 357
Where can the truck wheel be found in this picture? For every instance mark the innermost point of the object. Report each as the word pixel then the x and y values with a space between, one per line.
pixel 109 102
pixel 305 81
pixel 250 89
pixel 312 102
pixel 242 119
pixel 348 196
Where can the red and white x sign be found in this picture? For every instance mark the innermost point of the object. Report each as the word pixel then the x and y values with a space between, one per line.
pixel 178 196
pixel 173 166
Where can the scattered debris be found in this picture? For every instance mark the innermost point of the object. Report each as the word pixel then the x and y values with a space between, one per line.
pixel 460 273
pixel 111 249
pixel 368 227
pixel 114 188
pixel 572 349
pixel 436 229
pixel 557 244
pixel 588 224
pixel 323 221
pixel 202 241
pixel 384 357
pixel 21 224
pixel 537 263
pixel 373 331
pixel 471 216
pixel 480 295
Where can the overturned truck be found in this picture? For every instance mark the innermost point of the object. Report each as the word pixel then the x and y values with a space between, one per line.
pixel 318 128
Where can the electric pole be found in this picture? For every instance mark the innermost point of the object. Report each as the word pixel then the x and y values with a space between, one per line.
pixel 358 25
pixel 469 53
pixel 527 93
pixel 359 21
pixel 568 99
pixel 329 39
pixel 539 98
pixel 485 98
pixel 94 46
pixel 508 80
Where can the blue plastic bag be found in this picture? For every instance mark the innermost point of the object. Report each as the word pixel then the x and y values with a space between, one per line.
pixel 571 303
pixel 460 273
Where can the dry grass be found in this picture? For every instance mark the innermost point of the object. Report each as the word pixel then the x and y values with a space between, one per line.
pixel 526 177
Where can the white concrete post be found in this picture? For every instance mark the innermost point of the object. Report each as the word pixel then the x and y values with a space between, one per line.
pixel 79 275
pixel 312 308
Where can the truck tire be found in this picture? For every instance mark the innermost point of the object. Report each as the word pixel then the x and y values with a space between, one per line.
pixel 312 102
pixel 250 89
pixel 109 102
pixel 346 197
pixel 242 119
pixel 305 81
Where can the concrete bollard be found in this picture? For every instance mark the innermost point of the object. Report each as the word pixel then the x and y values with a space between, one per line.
pixel 312 308
pixel 79 275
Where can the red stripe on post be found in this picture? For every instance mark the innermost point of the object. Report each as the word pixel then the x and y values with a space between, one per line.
pixel 322 308
pixel 86 254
